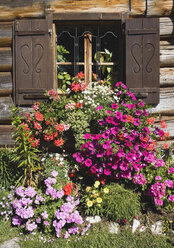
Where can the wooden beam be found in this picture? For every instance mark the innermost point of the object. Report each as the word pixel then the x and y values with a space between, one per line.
pixel 166 104
pixel 166 26
pixel 11 10
pixel 5 34
pixel 5 59
pixel 167 77
pixel 88 6
pixel 6 135
pixel 5 83
pixel 137 7
pixel 159 7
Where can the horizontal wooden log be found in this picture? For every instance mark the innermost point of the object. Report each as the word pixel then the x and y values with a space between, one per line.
pixel 6 135
pixel 137 7
pixel 159 7
pixel 5 83
pixel 167 77
pixel 166 26
pixel 5 109
pixel 5 34
pixel 11 10
pixel 5 59
pixel 76 6
pixel 167 57
pixel 166 105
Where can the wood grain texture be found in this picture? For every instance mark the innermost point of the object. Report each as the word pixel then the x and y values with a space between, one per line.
pixel 5 59
pixel 10 10
pixel 5 34
pixel 166 26
pixel 167 77
pixel 160 7
pixel 137 7
pixel 5 83
pixel 6 135
pixel 65 6
pixel 166 105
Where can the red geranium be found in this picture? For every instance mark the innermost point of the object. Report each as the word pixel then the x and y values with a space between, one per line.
pixel 68 189
pixel 58 142
pixel 39 116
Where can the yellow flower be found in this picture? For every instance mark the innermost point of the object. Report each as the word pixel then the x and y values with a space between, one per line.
pixel 106 190
pixel 88 189
pixel 99 200
pixel 87 199
pixel 94 201
pixel 96 184
pixel 89 204
pixel 99 205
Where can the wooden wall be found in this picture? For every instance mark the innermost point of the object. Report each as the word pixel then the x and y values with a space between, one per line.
pixel 11 10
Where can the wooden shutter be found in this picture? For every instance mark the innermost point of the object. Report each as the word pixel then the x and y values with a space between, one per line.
pixel 33 60
pixel 142 58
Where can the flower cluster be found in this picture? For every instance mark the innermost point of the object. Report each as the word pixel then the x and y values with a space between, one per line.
pixel 78 83
pixel 43 126
pixel 48 211
pixel 126 142
pixel 92 198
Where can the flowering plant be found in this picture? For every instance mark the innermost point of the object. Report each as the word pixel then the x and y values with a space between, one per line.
pixel 52 210
pixel 92 198
pixel 125 144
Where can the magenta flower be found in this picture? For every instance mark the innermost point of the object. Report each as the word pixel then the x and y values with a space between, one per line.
pixel 158 202
pixel 88 162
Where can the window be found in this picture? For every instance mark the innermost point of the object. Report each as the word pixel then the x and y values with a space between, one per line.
pixel 134 45
pixel 86 42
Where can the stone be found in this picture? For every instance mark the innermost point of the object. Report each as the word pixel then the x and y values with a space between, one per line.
pixel 157 228
pixel 113 227
pixel 93 220
pixel 136 224
pixel 13 243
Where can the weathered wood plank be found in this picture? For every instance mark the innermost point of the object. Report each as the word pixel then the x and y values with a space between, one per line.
pixel 159 7
pixel 5 109
pixel 167 77
pixel 5 83
pixel 166 53
pixel 166 26
pixel 137 7
pixel 6 135
pixel 67 6
pixel 5 59
pixel 10 10
pixel 5 34
pixel 166 105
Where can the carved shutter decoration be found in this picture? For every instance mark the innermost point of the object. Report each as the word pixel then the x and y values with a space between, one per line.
pixel 33 60
pixel 142 58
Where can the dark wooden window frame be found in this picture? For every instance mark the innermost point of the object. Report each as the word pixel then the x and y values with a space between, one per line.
pixel 87 45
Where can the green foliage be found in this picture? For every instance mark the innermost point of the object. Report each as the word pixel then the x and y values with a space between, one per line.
pixel 6 231
pixel 26 156
pixel 120 203
pixel 99 237
pixel 60 164
pixel 8 170
pixel 106 56
pixel 64 78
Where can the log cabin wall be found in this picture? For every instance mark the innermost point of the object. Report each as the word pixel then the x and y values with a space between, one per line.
pixel 11 10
